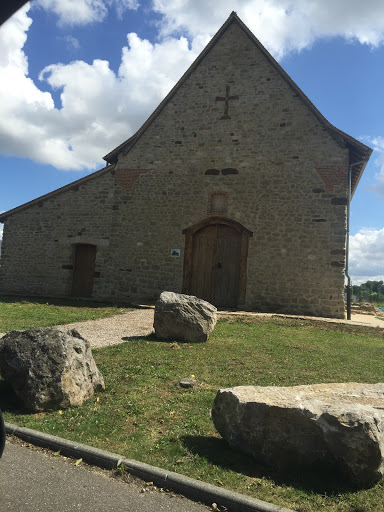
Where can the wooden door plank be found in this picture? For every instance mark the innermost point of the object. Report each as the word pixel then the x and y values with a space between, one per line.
pixel 228 258
pixel 84 269
pixel 224 242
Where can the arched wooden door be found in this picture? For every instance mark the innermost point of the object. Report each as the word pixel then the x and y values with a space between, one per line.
pixel 215 262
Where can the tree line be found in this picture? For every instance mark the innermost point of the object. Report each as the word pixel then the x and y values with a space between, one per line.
pixel 371 291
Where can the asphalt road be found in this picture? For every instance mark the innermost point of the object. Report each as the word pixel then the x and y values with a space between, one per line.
pixel 33 480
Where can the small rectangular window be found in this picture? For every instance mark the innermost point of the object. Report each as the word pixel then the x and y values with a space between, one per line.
pixel 218 203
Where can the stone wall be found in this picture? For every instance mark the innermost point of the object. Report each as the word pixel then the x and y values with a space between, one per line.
pixel 38 243
pixel 281 172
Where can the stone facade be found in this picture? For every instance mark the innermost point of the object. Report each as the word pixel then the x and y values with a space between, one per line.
pixel 234 127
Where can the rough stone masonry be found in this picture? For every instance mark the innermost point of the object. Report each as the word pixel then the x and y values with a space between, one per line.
pixel 234 190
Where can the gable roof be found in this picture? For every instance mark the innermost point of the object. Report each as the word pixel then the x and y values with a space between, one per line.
pixel 359 152
pixel 73 185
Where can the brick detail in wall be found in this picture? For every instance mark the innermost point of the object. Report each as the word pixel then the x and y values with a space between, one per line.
pixel 333 175
pixel 126 178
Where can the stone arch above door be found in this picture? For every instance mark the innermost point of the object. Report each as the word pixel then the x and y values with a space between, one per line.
pixel 215 261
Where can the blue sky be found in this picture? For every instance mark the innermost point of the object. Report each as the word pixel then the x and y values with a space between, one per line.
pixel 78 77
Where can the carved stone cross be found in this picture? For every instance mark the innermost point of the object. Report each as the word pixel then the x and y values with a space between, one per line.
pixel 226 98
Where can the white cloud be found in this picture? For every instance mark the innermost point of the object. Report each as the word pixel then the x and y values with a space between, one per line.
pixel 98 110
pixel 366 260
pixel 123 5
pixel 13 35
pixel 81 12
pixel 72 42
pixel 161 65
pixel 75 12
pixel 281 25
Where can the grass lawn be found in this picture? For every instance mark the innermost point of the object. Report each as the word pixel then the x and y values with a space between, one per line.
pixel 144 415
pixel 25 313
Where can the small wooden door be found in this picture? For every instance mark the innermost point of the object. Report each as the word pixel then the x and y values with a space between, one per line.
pixel 83 270
pixel 215 272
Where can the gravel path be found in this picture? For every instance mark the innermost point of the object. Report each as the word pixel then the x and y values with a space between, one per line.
pixel 104 332
pixel 115 329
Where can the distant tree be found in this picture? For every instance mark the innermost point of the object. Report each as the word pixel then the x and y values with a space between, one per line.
pixel 372 291
pixel 374 297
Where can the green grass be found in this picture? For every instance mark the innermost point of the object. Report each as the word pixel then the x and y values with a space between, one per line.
pixel 143 414
pixel 26 313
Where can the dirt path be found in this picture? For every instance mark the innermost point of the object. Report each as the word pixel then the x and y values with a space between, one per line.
pixel 117 329
pixel 356 318
pixel 104 332
pixel 367 320
pixel 120 328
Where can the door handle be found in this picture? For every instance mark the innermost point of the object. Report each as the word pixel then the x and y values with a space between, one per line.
pixel 219 265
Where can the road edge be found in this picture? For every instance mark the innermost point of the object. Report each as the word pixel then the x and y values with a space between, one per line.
pixel 188 487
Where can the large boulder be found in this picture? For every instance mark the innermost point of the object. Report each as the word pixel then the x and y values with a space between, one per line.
pixel 49 368
pixel 338 426
pixel 183 318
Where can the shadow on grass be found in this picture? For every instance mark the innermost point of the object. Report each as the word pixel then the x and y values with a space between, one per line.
pixel 152 338
pixel 220 454
pixel 217 451
pixel 148 337
pixel 72 302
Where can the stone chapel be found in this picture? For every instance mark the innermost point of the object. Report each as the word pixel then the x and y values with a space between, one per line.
pixel 235 190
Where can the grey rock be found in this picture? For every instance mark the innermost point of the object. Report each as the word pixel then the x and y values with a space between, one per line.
pixel 188 383
pixel 49 368
pixel 333 425
pixel 183 318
